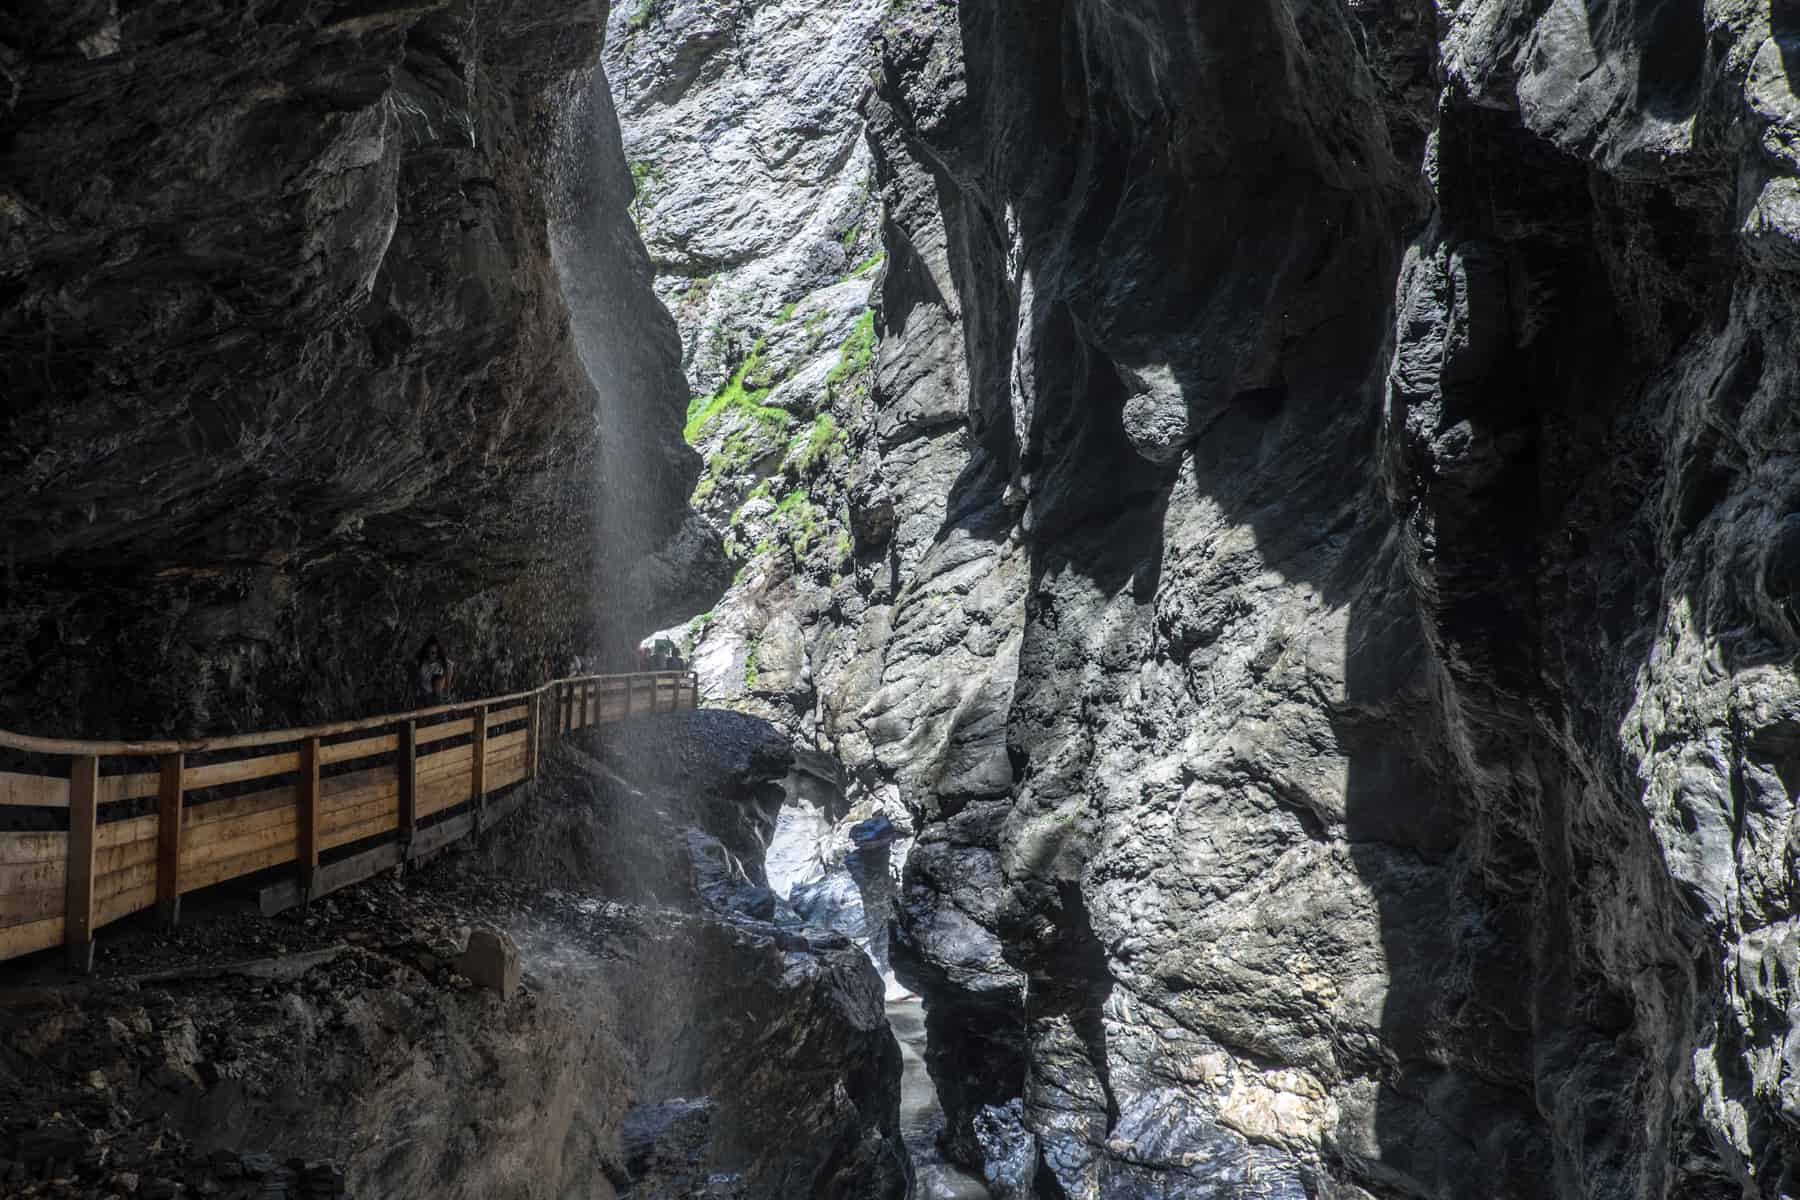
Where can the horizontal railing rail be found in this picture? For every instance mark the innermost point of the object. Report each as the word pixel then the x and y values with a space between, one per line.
pixel 339 807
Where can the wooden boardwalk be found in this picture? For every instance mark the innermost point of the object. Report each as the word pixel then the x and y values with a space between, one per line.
pixel 134 825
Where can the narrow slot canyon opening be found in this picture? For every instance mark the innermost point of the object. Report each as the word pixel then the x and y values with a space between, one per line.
pixel 842 870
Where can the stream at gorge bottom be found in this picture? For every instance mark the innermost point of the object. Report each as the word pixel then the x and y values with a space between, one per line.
pixel 921 1118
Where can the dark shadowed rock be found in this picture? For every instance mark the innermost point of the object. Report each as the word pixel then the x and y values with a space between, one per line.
pixel 290 379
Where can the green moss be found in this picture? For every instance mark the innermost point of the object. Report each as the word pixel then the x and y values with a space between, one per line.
pixel 646 178
pixel 799 522
pixel 868 264
pixel 744 392
pixel 854 357
pixel 646 12
pixel 697 291
pixel 750 665
pixel 787 312
pixel 818 445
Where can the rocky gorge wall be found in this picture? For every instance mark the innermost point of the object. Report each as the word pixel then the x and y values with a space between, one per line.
pixel 1321 535
pixel 664 1026
pixel 290 379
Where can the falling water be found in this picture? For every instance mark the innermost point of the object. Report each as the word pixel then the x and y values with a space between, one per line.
pixel 628 348
pixel 921 1116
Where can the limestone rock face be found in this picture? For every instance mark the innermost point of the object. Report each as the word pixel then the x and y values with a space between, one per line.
pixel 289 377
pixel 755 196
pixel 1324 584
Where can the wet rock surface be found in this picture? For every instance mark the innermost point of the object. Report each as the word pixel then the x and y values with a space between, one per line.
pixel 343 1048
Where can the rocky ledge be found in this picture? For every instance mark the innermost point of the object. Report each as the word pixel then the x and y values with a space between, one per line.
pixel 670 1029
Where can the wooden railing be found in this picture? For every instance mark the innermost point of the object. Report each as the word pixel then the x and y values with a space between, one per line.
pixel 148 822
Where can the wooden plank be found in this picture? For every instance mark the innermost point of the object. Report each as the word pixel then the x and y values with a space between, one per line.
pixel 124 903
pixel 356 814
pixel 442 834
pixel 212 811
pixel 507 742
pixel 406 803
pixel 123 857
pixel 202 840
pixel 507 716
pixel 33 847
pixel 33 791
pixel 533 723
pixel 233 868
pixel 219 774
pixel 478 756
pixel 78 910
pixel 306 818
pixel 387 788
pixel 273 829
pixel 368 779
pixel 120 833
pixel 29 877
pixel 278 897
pixel 114 788
pixel 368 747
pixel 439 733
pixel 25 939
pixel 171 783
pixel 65 748
pixel 26 907
pixel 369 827
pixel 143 875
pixel 371 785
pixel 439 794
pixel 446 762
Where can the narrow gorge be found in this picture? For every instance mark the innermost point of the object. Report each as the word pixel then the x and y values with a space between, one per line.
pixel 1242 564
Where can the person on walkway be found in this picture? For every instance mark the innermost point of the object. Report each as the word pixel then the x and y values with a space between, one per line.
pixel 436 672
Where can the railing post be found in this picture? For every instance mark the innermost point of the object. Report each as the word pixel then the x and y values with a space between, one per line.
pixel 478 763
pixel 630 694
pixel 168 839
pixel 409 787
pixel 307 824
pixel 532 723
pixel 78 911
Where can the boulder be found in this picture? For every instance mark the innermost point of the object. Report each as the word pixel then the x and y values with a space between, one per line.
pixel 492 961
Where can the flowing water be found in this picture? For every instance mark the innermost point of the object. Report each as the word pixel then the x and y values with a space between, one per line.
pixel 921 1118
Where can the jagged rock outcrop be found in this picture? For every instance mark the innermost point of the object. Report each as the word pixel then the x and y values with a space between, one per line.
pixel 289 378
pixel 1343 661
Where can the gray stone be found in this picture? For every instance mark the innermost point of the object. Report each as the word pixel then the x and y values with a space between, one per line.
pixel 491 961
